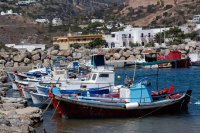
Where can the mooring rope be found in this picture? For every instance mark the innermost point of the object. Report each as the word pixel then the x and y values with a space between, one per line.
pixel 193 97
pixel 47 106
pixel 55 110
pixel 44 102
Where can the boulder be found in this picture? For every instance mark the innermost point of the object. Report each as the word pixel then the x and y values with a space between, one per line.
pixel 2 61
pixel 122 58
pixel 37 62
pixel 54 52
pixel 13 100
pixel 5 55
pixel 16 64
pixel 22 64
pixel 27 60
pixel 34 52
pixel 186 48
pixel 121 51
pixel 174 47
pixel 9 64
pixel 131 58
pixel 191 49
pixel 116 56
pixel 43 55
pixel 138 56
pixel 35 57
pixel 46 62
pixel 183 52
pixel 107 56
pixel 76 55
pixel 19 57
pixel 34 113
pixel 136 51
pixel 127 54
pixel 181 46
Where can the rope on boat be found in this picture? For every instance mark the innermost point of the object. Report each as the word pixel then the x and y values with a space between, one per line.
pixel 47 106
pixel 55 109
pixel 44 102
pixel 198 100
pixel 150 113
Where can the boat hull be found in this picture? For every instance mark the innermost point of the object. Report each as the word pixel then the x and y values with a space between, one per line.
pixel 183 63
pixel 76 109
pixel 39 99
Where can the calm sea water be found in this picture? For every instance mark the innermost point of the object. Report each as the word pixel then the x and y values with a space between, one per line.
pixel 181 123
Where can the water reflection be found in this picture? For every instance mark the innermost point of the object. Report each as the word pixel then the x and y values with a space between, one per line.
pixel 180 123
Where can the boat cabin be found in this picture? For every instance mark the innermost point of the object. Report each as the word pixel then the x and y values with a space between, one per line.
pixel 140 93
pixel 59 73
pixel 102 77
pixel 58 61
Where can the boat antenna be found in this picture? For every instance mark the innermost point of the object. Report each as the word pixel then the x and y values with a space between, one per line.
pixel 134 72
pixel 157 79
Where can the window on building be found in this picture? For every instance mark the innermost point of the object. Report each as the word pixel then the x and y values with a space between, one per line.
pixel 129 36
pixel 94 76
pixel 142 35
pixel 124 44
pixel 112 45
pixel 149 35
pixel 142 43
pixel 113 35
pixel 123 35
pixel 104 75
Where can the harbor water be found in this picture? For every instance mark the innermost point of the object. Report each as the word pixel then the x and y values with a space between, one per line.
pixel 186 122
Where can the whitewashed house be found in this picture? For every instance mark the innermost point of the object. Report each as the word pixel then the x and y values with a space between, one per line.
pixel 97 21
pixel 42 20
pixel 196 18
pixel 9 12
pixel 28 47
pixel 122 39
pixel 25 2
pixel 57 22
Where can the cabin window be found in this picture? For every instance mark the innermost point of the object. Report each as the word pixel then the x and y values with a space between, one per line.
pixel 94 76
pixel 142 35
pixel 113 35
pixel 83 86
pixel 104 75
pixel 129 35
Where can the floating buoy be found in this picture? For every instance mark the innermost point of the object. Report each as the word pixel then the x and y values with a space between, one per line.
pixel 118 77
pixel 197 103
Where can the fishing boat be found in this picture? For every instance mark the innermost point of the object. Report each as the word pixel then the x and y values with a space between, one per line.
pixel 12 80
pixel 195 59
pixel 136 101
pixel 40 97
pixel 154 60
pixel 175 59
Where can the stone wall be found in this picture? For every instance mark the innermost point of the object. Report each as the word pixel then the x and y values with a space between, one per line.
pixel 20 59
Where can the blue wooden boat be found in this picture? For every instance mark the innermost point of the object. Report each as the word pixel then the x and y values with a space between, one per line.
pixel 42 93
pixel 137 102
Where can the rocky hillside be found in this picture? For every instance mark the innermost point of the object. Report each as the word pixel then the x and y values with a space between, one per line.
pixel 77 12
pixel 159 12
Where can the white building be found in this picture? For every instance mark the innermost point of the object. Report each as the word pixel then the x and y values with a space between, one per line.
pixel 43 21
pixel 97 20
pixel 9 12
pixel 196 18
pixel 57 22
pixel 28 47
pixel 25 2
pixel 131 35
